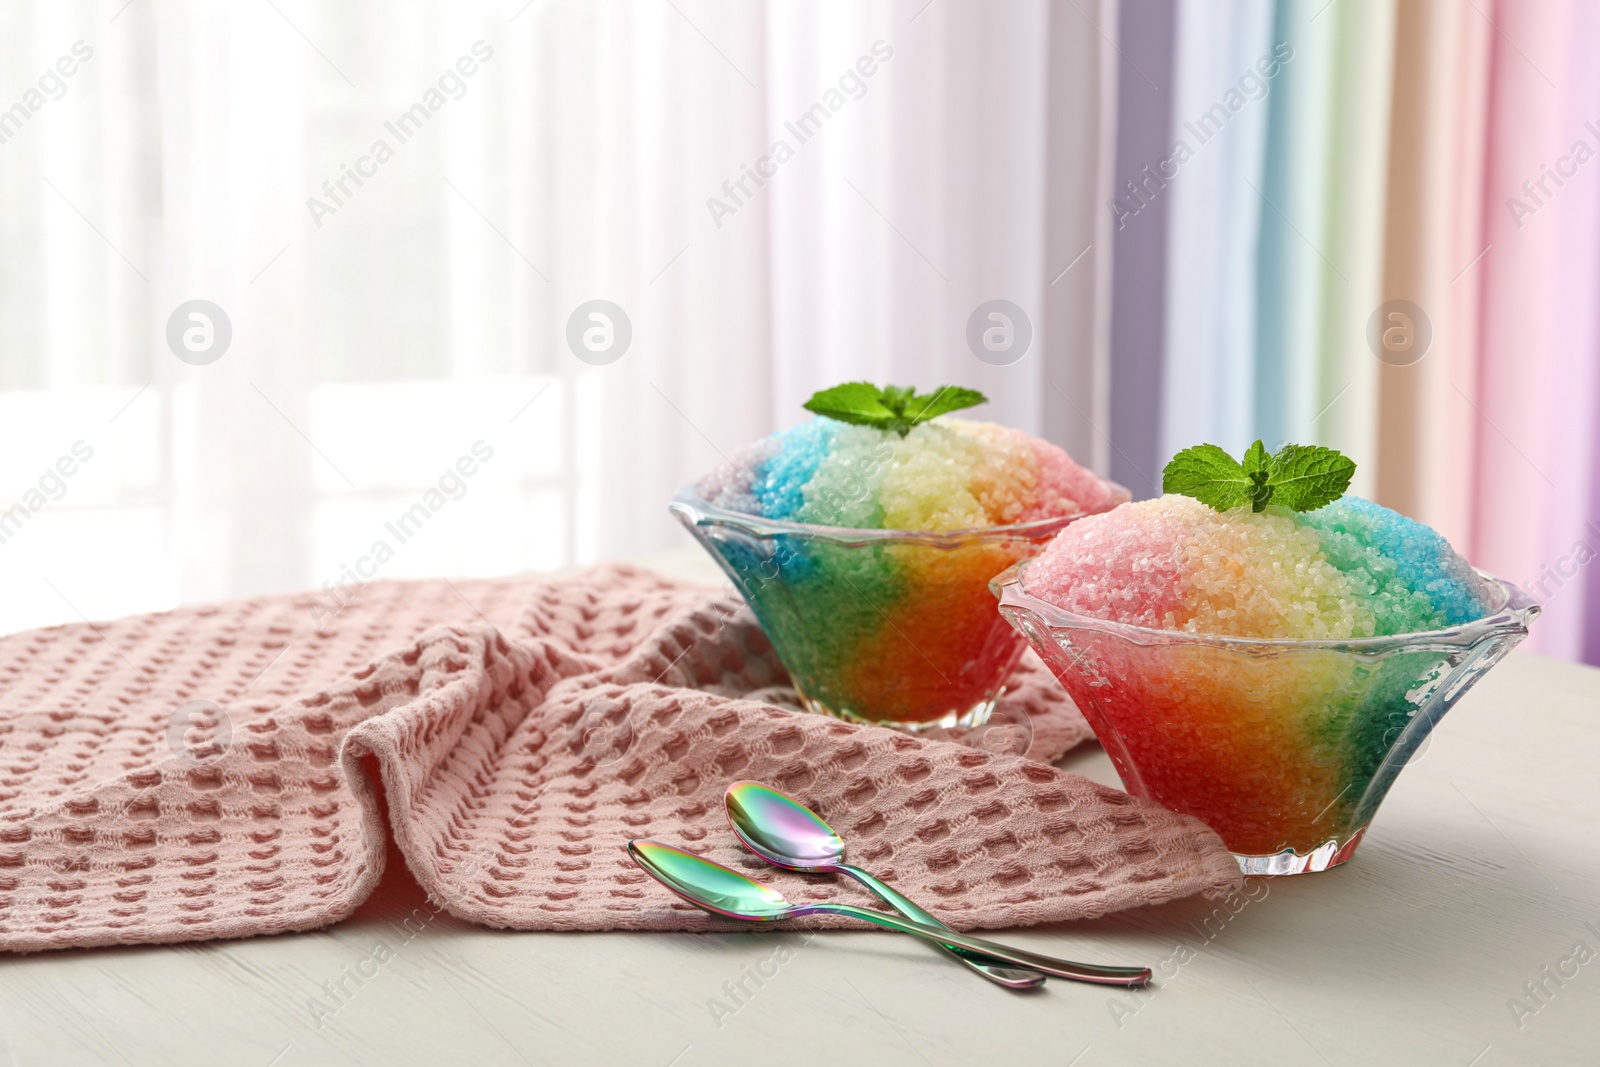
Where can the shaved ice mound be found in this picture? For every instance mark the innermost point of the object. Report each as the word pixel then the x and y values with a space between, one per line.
pixel 879 604
pixel 1349 570
pixel 948 474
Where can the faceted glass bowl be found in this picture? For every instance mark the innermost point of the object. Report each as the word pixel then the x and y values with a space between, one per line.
pixel 1284 747
pixel 892 627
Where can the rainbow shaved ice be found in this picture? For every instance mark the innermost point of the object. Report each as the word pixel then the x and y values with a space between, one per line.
pixel 1275 747
pixel 893 628
pixel 949 474
pixel 1348 570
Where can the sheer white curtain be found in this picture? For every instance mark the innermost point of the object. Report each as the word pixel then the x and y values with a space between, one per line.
pixel 399 314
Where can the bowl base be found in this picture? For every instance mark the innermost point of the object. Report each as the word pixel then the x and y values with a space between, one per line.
pixel 1327 855
pixel 976 715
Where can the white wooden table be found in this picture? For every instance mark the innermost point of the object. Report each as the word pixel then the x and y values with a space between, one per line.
pixel 1478 876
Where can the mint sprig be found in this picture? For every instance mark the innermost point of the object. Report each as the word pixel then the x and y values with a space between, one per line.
pixel 1307 477
pixel 1299 477
pixel 893 407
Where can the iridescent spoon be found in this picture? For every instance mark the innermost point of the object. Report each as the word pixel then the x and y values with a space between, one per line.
pixel 717 889
pixel 787 834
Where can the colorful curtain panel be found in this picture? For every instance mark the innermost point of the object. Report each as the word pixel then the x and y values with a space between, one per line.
pixel 1373 225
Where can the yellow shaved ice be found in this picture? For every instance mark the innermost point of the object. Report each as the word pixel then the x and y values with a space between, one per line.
pixel 926 486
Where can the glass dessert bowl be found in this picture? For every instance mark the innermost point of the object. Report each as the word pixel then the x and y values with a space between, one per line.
pixel 1285 747
pixel 892 627
pixel 864 539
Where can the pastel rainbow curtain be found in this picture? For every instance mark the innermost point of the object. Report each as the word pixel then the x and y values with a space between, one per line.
pixel 1285 172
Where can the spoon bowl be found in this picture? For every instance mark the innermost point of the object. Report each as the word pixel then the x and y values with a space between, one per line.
pixel 781 830
pixel 710 885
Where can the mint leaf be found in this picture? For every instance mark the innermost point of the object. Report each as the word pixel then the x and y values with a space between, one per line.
pixel 1210 475
pixel 1307 477
pixel 895 397
pixel 942 401
pixel 1258 468
pixel 860 403
pixel 1299 477
pixel 1257 458
pixel 893 407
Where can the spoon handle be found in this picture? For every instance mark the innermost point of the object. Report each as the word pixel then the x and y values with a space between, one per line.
pixel 1081 972
pixel 1010 977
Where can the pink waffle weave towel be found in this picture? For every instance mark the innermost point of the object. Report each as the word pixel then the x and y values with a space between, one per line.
pixel 521 732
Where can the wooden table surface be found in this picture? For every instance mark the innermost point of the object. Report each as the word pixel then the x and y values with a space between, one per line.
pixel 1466 931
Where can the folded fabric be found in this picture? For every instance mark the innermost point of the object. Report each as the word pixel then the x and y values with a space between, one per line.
pixel 511 735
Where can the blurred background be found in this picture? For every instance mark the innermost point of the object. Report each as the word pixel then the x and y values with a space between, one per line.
pixel 274 272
